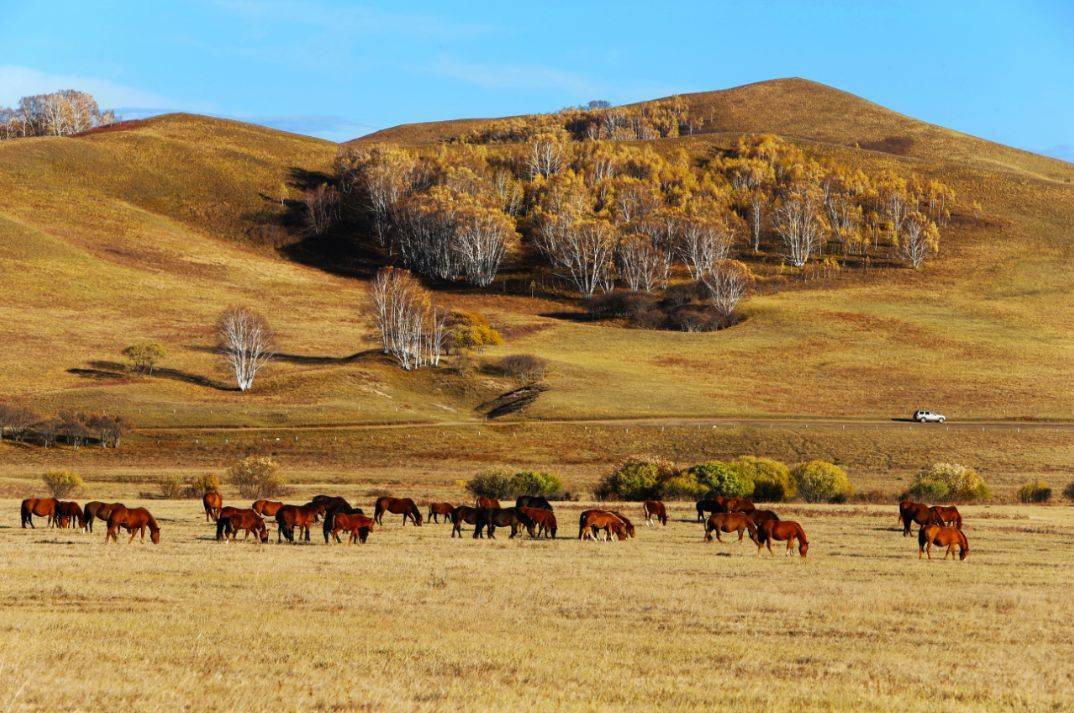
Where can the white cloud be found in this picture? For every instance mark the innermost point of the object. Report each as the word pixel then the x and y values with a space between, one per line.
pixel 508 76
pixel 17 82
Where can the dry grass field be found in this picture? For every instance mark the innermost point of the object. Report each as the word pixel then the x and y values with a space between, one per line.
pixel 417 621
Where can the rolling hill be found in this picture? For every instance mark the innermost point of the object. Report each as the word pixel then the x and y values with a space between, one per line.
pixel 149 230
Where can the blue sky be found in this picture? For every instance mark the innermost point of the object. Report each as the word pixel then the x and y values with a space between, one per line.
pixel 1000 70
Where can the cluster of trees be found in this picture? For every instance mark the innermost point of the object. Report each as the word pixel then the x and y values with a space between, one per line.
pixel 604 216
pixel 76 428
pixel 57 114
pixel 504 484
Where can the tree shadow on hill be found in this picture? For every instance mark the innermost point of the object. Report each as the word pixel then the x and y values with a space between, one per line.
pixel 114 370
pixel 306 359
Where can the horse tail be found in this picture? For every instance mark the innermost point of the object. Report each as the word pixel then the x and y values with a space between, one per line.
pixel 24 513
pixel 220 525
pixel 752 529
pixel 329 521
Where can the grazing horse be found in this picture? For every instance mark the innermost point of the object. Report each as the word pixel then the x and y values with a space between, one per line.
pixel 266 508
pixel 336 507
pixel 781 530
pixel 301 516
pixel 739 505
pixel 592 521
pixel 942 536
pixel 236 520
pixel 532 501
pixel 42 507
pixel 628 526
pixel 134 521
pixel 761 516
pixel 710 505
pixel 95 510
pixel 438 510
pixel 483 503
pixel 355 523
pixel 463 514
pixel 730 522
pixel 545 519
pixel 911 513
pixel 947 515
pixel 654 508
pixel 68 513
pixel 223 520
pixel 514 518
pixel 397 506
pixel 212 502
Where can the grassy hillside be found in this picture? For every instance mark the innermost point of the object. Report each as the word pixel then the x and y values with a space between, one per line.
pixel 148 232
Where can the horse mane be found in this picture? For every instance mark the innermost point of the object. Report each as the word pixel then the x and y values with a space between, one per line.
pixel 153 526
pixel 801 534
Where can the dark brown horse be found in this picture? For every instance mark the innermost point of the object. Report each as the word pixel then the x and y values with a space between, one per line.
pixel 334 506
pixel 212 502
pixel 69 514
pixel 233 520
pixel 355 523
pixel 301 516
pixel 266 508
pixel 95 510
pixel 761 516
pixel 490 519
pixel 438 510
pixel 397 506
pixel 730 522
pixel 781 530
pixel 42 507
pixel 545 519
pixel 947 515
pixel 739 505
pixel 590 522
pixel 134 521
pixel 487 503
pixel 463 514
pixel 710 505
pixel 942 536
pixel 654 508
pixel 911 513
pixel 533 501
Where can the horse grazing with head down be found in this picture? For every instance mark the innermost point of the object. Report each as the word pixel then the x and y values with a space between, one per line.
pixel 397 506
pixel 334 508
pixel 545 519
pixel 212 502
pixel 134 521
pixel 911 513
pixel 231 522
pixel 69 514
pixel 440 510
pixel 533 501
pixel 654 509
pixel 781 530
pixel 463 514
pixel 591 522
pixel 942 536
pixel 947 515
pixel 96 510
pixel 266 508
pixel 301 516
pixel 41 507
pixel 710 505
pixel 490 519
pixel 357 524
pixel 730 522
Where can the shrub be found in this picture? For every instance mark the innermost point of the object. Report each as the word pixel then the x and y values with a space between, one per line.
pixel 637 478
pixel 948 481
pixel 526 368
pixel 171 487
pixel 683 487
pixel 62 483
pixel 143 356
pixel 1068 492
pixel 496 484
pixel 721 478
pixel 470 330
pixel 772 482
pixel 1036 491
pixel 204 484
pixel 257 477
pixel 819 481
pixel 529 482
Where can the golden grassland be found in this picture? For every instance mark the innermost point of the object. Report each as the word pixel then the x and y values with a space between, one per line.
pixel 417 621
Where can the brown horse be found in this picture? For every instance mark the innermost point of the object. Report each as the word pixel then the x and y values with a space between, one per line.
pixel 911 513
pixel 68 513
pixel 730 522
pixel 357 524
pixel 42 507
pixel 942 536
pixel 134 521
pixel 397 506
pixel 266 508
pixel 710 505
pixel 514 518
pixel 335 506
pixel 233 520
pixel 212 502
pixel 95 510
pixel 462 514
pixel 760 516
pixel 483 503
pixel 545 519
pixel 781 530
pixel 438 510
pixel 301 516
pixel 628 526
pixel 947 515
pixel 654 508
pixel 590 522
pixel 739 505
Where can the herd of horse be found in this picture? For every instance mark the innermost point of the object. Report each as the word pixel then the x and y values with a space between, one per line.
pixel 939 526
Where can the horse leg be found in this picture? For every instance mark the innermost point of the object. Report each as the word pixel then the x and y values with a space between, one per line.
pixel 928 549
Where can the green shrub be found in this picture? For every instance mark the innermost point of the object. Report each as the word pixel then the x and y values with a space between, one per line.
pixel 62 483
pixel 682 487
pixel 143 356
pixel 171 487
pixel 721 478
pixel 637 478
pixel 257 477
pixel 496 484
pixel 771 479
pixel 529 482
pixel 818 481
pixel 204 484
pixel 1036 491
pixel 1068 492
pixel 948 481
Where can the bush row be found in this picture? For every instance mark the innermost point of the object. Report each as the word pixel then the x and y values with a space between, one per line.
pixel 502 484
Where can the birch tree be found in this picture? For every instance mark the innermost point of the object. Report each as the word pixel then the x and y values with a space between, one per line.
pixel 727 284
pixel 920 238
pixel 799 222
pixel 246 341
pixel 642 264
pixel 702 243
pixel 411 330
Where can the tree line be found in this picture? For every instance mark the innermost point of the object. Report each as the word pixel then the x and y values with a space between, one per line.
pixel 59 113
pixel 25 425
